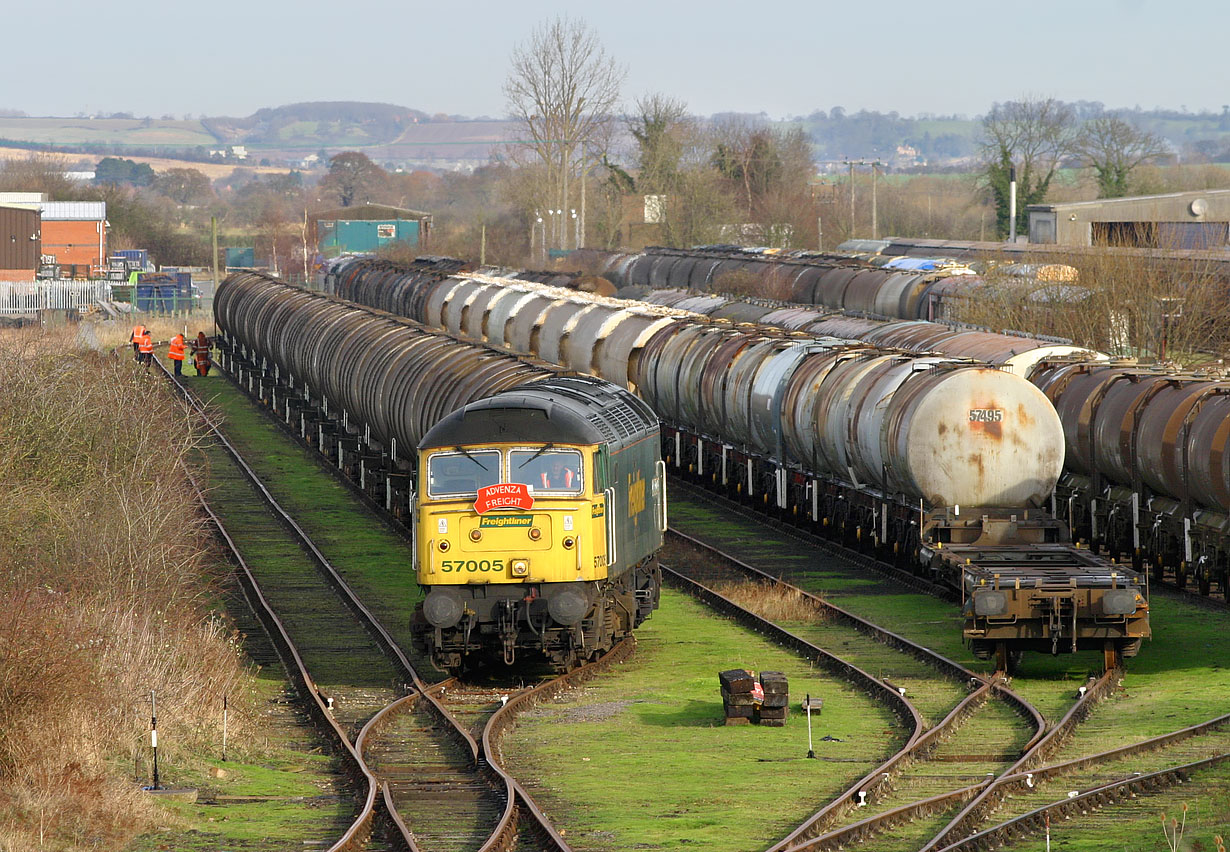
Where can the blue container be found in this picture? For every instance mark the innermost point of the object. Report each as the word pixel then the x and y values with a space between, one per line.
pixel 164 291
pixel 138 256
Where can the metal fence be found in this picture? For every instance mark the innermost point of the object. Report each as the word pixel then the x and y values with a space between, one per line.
pixel 30 297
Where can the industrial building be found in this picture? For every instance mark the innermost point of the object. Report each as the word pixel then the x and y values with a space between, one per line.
pixel 369 227
pixel 20 246
pixel 1179 220
pixel 71 235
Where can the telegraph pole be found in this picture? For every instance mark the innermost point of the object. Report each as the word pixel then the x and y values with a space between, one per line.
pixel 875 170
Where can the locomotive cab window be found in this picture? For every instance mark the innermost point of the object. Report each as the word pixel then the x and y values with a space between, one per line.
pixel 546 471
pixel 460 473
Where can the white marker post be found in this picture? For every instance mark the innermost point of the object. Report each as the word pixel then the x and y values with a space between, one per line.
pixel 153 736
pixel 808 704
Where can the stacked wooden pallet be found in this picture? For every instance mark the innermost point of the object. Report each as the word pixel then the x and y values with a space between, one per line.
pixel 775 706
pixel 737 698
pixel 746 698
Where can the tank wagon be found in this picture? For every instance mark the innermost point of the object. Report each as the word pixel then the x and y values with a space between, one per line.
pixel 1148 464
pixel 834 281
pixel 939 464
pixel 1145 462
pixel 1018 354
pixel 463 443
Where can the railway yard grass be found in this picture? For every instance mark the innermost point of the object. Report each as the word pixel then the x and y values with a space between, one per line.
pixel 269 800
pixel 1180 678
pixel 640 758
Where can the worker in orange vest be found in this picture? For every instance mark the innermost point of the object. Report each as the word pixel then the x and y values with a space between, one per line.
pixel 146 348
pixel 175 351
pixel 135 340
pixel 559 476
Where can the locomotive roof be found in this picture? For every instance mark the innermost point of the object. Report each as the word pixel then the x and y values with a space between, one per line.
pixel 561 409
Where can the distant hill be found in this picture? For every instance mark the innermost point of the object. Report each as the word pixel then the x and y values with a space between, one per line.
pixel 316 124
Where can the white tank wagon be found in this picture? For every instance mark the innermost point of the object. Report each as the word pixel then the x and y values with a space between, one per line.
pixel 939 464
pixel 1019 354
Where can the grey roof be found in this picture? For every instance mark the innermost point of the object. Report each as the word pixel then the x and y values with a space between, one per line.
pixel 76 211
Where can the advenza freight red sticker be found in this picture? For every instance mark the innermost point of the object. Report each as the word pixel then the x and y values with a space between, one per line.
pixel 505 495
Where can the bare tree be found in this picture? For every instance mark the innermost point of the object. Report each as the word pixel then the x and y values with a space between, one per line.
pixel 1034 135
pixel 183 185
pixel 352 177
pixel 1114 149
pixel 37 173
pixel 561 88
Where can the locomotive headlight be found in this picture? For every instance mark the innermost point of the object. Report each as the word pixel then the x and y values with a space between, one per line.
pixel 1119 602
pixel 476 535
pixel 442 607
pixel 990 603
pixel 535 533
pixel 520 567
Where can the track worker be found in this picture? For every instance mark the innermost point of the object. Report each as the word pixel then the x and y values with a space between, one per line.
pixel 146 349
pixel 135 340
pixel 200 354
pixel 559 476
pixel 175 351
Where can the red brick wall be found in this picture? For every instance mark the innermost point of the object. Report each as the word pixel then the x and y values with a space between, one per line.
pixel 75 242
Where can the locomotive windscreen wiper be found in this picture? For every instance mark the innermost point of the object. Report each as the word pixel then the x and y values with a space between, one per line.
pixel 541 450
pixel 466 453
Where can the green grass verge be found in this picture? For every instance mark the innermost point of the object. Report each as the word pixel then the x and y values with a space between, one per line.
pixel 640 758
pixel 276 791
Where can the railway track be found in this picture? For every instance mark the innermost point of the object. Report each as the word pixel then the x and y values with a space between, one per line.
pixel 932 803
pixel 989 718
pixel 404 740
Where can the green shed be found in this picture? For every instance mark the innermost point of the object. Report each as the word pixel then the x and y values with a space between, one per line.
pixel 366 228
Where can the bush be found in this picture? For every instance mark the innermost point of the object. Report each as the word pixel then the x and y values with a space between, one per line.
pixel 104 595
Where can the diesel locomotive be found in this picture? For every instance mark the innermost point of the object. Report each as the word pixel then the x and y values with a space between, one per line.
pixel 540 511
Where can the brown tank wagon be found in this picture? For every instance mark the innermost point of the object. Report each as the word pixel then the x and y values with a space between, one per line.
pixel 1148 475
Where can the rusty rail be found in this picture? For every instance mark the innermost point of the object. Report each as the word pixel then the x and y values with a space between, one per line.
pixel 356 836
pixel 998 835
pixel 992 794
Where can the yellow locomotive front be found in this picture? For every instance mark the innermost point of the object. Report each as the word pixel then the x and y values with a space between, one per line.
pixel 539 514
pixel 511 514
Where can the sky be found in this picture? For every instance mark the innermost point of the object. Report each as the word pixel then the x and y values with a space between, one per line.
pixel 228 57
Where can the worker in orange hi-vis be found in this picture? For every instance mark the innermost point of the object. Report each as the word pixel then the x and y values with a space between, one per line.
pixel 135 339
pixel 146 347
pixel 175 351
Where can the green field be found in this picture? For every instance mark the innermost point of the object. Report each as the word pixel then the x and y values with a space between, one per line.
pixel 106 131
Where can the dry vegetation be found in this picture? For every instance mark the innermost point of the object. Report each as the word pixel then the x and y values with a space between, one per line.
pixel 772 601
pixel 104 599
pixel 1118 304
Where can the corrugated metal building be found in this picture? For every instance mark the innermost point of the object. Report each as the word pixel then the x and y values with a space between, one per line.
pixel 1179 220
pixel 26 200
pixel 20 246
pixel 75 233
pixel 367 227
